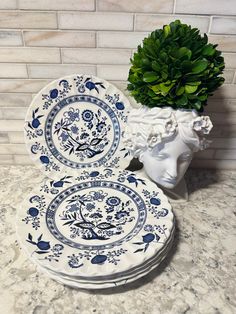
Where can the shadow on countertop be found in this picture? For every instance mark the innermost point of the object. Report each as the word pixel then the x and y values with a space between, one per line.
pixel 197 178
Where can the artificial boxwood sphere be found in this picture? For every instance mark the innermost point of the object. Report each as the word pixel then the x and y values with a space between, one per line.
pixel 175 66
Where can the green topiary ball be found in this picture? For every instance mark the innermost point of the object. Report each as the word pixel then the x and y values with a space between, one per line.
pixel 175 67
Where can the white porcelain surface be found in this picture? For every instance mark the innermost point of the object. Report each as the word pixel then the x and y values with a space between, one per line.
pixel 102 223
pixel 77 122
pixel 115 279
pixel 119 280
pixel 164 140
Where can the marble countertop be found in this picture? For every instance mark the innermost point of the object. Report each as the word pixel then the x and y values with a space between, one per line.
pixel 198 276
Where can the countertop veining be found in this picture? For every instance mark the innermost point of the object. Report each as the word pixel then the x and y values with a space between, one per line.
pixel 198 276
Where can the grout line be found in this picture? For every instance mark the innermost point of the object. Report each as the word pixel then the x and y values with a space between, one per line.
pixel 174 8
pixel 83 30
pixel 23 38
pixel 210 24
pixel 60 56
pixel 214 154
pixel 57 19
pixel 96 39
pixel 134 21
pixel 27 69
pixel 234 78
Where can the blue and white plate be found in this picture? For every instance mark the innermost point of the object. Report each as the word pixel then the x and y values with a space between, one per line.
pixel 75 123
pixel 113 282
pixel 98 225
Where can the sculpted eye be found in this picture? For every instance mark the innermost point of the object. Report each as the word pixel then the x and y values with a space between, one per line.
pixel 161 156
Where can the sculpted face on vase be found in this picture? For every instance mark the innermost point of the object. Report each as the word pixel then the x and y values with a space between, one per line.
pixel 167 162
pixel 165 140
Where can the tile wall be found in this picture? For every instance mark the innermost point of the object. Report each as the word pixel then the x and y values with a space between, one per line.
pixel 47 39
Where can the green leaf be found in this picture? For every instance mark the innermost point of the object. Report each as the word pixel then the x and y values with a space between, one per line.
pixel 150 77
pixel 183 101
pixel 180 90
pixel 187 66
pixel 189 89
pixel 162 88
pixel 197 105
pixel 196 83
pixel 156 66
pixel 183 51
pixel 164 75
pixel 145 61
pixel 167 30
pixel 165 88
pixel 199 66
pixel 202 97
pixel 208 50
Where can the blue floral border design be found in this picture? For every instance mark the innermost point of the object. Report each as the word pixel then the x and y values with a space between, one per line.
pixel 50 213
pixel 69 101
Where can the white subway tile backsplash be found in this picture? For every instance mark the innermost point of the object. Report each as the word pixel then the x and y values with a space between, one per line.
pixel 223 25
pixel 8 4
pixel 225 91
pixel 223 142
pixel 6 159
pixel 223 131
pixel 59 38
pixel 150 22
pixel 225 42
pixel 13 113
pixel 228 76
pixel 113 72
pixel 21 85
pixel 95 21
pixel 232 104
pixel 225 154
pixel 223 118
pixel 8 149
pixel 10 70
pixel 205 154
pixel 81 5
pixel 230 60
pixel 16 137
pixel 25 54
pixel 120 39
pixel 154 6
pixel 22 160
pixel 213 164
pixel 220 105
pixel 4 137
pixel 10 38
pixel 11 125
pixel 96 56
pixel 21 19
pixel 206 7
pixel 56 71
pixel 14 100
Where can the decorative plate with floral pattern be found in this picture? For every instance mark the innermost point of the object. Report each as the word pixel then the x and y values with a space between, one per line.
pixel 101 224
pixel 77 122
pixel 117 280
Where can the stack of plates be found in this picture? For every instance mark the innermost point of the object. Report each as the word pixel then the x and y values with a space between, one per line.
pixel 90 224
pixel 101 229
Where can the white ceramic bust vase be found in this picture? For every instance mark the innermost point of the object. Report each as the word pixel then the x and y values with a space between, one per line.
pixel 164 140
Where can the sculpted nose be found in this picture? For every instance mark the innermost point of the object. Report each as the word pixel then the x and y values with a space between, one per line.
pixel 172 169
